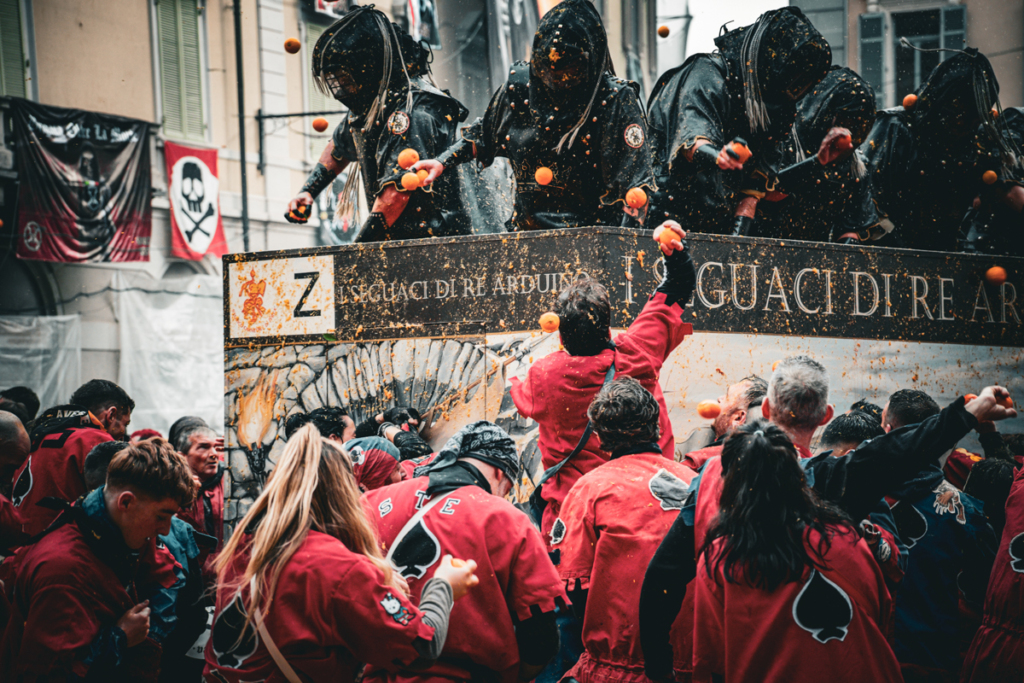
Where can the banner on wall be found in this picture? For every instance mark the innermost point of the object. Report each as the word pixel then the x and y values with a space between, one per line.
pixel 193 190
pixel 85 185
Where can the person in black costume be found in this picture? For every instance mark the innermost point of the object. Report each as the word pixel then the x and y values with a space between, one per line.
pixel 381 74
pixel 565 111
pixel 825 202
pixel 992 225
pixel 926 162
pixel 747 89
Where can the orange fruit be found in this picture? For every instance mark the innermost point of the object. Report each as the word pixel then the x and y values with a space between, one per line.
pixel 292 45
pixel 709 410
pixel 989 177
pixel 969 397
pixel 996 275
pixel 909 101
pixel 636 197
pixel 543 176
pixel 1006 402
pixel 742 150
pixel 422 174
pixel 666 236
pixel 410 181
pixel 320 124
pixel 549 322
pixel 407 157
pixel 775 365
pixel 663 31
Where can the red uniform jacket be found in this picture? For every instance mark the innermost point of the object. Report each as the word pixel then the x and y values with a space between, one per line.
pixel 517 579
pixel 11 535
pixel 210 494
pixel 331 612
pixel 409 466
pixel 696 459
pixel 997 651
pixel 559 388
pixel 611 524
pixel 63 595
pixel 54 468
pixel 830 625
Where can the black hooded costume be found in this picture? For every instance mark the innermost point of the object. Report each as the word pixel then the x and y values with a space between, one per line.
pixel 709 98
pixel 925 163
pixel 391 107
pixel 993 227
pixel 566 111
pixel 834 200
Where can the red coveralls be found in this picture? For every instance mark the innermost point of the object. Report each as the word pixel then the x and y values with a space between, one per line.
pixel 54 468
pixel 611 524
pixel 330 613
pixel 997 651
pixel 63 595
pixel 517 579
pixel 559 388
pixel 829 625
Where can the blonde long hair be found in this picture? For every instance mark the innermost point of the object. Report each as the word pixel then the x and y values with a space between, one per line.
pixel 311 487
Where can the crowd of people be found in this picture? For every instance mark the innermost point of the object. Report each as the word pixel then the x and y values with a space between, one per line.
pixel 763 137
pixel 794 541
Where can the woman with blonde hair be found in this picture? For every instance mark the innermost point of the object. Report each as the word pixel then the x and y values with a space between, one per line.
pixel 303 593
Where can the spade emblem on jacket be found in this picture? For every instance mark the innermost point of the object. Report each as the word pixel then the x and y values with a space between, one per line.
pixel 23 485
pixel 415 553
pixel 668 489
pixel 823 609
pixel 1016 551
pixel 911 523
pixel 233 640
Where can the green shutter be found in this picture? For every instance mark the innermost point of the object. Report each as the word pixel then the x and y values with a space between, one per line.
pixel 12 57
pixel 181 84
pixel 872 56
pixel 316 100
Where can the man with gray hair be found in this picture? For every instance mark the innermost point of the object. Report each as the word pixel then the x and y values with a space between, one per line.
pixel 797 400
pixel 201 448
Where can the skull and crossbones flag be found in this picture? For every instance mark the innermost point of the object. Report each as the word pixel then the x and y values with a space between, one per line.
pixel 193 192
pixel 84 185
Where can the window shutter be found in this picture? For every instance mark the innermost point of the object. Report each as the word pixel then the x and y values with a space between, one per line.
pixel 181 89
pixel 872 56
pixel 12 58
pixel 954 28
pixel 316 100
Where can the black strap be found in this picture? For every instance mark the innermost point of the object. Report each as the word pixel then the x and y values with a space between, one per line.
pixel 553 470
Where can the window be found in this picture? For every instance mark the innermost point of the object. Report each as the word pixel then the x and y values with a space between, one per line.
pixel 12 57
pixel 894 70
pixel 872 59
pixel 318 101
pixel 181 73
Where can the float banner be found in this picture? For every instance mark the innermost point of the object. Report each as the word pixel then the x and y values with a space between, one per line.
pixel 85 185
pixel 487 284
pixel 194 195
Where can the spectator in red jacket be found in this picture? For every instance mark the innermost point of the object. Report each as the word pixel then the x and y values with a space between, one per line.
pixel 786 589
pixel 559 387
pixel 61 438
pixel 14 448
pixel 612 522
pixel 79 611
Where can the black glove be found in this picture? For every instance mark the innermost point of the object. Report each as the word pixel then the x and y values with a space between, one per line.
pixel 400 415
pixel 680 277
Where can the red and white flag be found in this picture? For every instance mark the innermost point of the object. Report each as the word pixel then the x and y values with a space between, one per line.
pixel 194 194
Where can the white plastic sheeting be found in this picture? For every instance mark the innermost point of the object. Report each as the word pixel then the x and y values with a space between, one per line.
pixel 172 349
pixel 43 353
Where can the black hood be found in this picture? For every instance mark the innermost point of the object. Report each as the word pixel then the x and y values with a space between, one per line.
pixel 842 98
pixel 366 46
pixel 570 46
pixel 960 91
pixel 780 52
